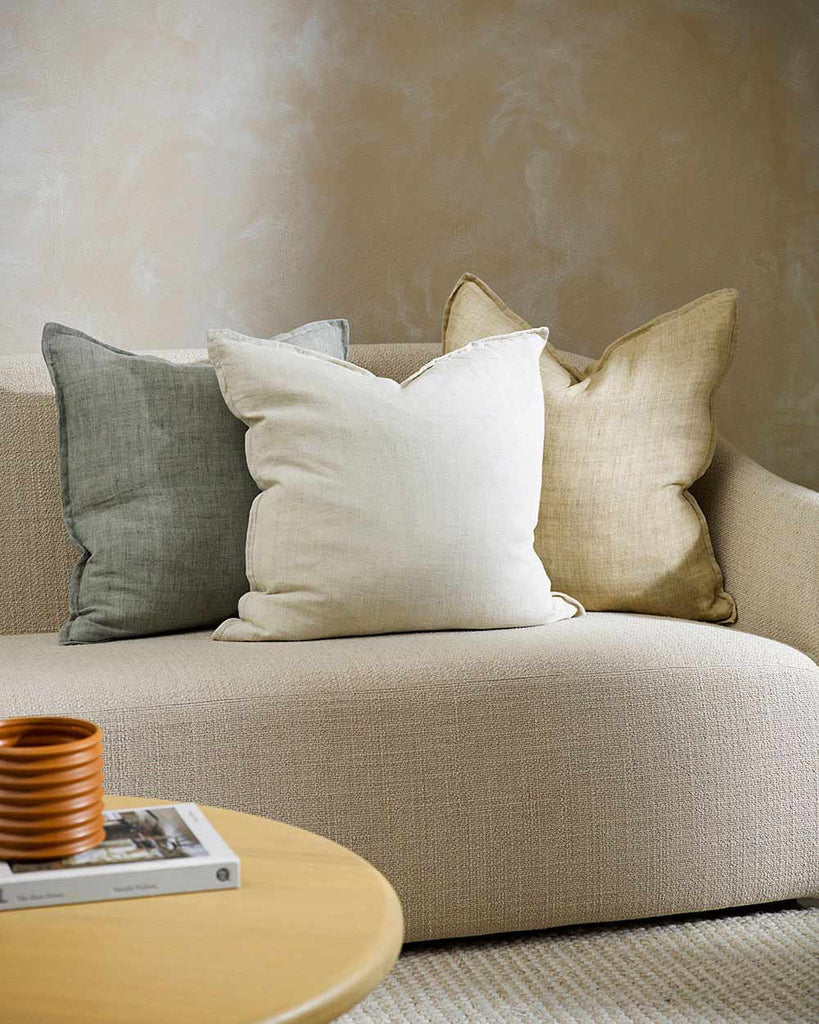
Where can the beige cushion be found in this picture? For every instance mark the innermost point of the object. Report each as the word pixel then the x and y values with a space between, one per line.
pixel 625 439
pixel 389 507
pixel 607 767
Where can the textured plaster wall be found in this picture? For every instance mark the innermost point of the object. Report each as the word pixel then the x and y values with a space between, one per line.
pixel 170 166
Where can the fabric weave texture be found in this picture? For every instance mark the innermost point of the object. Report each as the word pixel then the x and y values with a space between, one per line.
pixel 738 968
pixel 611 766
pixel 765 530
pixel 390 507
pixel 155 488
pixel 625 440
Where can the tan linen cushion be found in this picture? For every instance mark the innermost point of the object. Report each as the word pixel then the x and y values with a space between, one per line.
pixel 607 767
pixel 389 507
pixel 625 439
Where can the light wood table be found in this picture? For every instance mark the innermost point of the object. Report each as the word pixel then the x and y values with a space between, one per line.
pixel 311 931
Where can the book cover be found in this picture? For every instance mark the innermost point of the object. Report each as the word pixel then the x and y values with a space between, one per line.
pixel 147 851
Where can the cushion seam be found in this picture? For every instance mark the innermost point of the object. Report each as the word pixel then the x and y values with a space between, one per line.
pixel 493 296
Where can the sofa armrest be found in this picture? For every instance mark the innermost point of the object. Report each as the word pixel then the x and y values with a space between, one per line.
pixel 765 532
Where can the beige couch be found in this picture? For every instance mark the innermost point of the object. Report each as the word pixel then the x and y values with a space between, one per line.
pixel 613 766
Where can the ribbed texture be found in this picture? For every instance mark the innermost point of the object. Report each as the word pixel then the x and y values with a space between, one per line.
pixel 51 779
pixel 759 968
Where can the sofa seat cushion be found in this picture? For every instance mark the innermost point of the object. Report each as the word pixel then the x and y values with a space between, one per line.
pixel 189 669
pixel 606 767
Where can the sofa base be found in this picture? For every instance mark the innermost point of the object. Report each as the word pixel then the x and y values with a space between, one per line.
pixel 604 768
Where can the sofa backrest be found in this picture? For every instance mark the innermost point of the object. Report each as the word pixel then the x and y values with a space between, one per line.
pixel 36 558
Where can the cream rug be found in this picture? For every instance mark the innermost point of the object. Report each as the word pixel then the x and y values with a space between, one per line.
pixel 756 966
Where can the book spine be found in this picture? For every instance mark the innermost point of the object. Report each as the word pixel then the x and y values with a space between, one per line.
pixel 119 885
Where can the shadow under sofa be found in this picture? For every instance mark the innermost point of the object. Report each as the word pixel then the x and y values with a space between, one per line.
pixel 609 767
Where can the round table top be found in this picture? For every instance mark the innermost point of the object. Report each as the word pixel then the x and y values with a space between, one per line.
pixel 311 931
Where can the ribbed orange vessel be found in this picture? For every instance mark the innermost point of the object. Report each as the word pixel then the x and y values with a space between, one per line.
pixel 50 787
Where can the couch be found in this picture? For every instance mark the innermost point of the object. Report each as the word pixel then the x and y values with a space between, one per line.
pixel 609 767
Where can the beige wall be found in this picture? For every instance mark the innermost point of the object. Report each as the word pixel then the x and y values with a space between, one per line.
pixel 170 166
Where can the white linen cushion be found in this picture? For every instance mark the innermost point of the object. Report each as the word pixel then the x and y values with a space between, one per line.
pixel 390 507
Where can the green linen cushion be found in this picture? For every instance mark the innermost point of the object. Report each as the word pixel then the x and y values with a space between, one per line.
pixel 155 487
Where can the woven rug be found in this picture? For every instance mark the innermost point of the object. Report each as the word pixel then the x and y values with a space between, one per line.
pixel 757 966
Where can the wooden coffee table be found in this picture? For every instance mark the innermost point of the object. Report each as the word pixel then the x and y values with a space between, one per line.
pixel 312 930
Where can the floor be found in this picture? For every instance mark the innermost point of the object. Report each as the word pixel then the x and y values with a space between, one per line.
pixel 756 965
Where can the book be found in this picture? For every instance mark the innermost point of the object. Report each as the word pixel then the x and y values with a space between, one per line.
pixel 147 851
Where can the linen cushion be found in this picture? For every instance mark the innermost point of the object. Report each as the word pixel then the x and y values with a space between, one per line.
pixel 390 507
pixel 625 439
pixel 155 487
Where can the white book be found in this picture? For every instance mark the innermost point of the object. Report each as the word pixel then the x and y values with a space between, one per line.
pixel 147 851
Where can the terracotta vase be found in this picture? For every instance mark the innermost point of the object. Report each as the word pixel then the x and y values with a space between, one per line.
pixel 50 787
